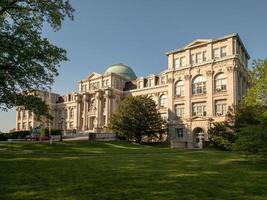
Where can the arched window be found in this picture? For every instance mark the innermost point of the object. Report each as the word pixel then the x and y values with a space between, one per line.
pixel 163 101
pixel 199 85
pixel 220 82
pixel 179 88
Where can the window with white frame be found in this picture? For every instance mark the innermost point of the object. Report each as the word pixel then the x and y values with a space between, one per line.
pixel 182 62
pixel 180 132
pixel 199 85
pixel 179 88
pixel 198 58
pixel 163 101
pixel 193 59
pixel 216 53
pixel 220 107
pixel 223 52
pixel 177 63
pixel 199 109
pixel 220 82
pixel 204 56
pixel 179 110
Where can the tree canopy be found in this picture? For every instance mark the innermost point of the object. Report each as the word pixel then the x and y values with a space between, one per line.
pixel 28 61
pixel 137 117
pixel 252 138
pixel 246 123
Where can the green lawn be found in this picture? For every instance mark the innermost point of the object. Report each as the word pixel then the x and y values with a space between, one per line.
pixel 91 170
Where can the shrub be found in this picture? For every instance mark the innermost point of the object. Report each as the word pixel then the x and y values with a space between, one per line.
pixel 14 135
pixel 252 139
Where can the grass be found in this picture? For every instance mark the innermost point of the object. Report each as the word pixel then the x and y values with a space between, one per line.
pixel 105 170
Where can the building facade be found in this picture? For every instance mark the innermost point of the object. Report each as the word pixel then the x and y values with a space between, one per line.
pixel 201 81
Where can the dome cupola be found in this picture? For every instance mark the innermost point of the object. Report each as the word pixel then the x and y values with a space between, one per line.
pixel 122 70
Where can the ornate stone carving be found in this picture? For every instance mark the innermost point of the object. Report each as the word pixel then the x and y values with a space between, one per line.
pixel 187 76
pixel 170 80
pixel 231 68
pixel 85 97
pixel 78 98
pixel 209 72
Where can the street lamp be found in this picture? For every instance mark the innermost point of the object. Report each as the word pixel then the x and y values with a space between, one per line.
pixel 49 120
pixel 61 132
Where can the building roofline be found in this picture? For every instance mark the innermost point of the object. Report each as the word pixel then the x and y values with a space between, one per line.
pixel 213 40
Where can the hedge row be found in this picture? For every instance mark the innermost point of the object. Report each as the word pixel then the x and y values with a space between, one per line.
pixel 23 134
pixel 14 135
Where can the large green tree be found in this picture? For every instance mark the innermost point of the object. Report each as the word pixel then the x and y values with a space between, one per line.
pixel 252 138
pixel 137 117
pixel 28 61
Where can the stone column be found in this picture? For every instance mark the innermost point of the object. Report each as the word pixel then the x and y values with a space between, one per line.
pixel 85 111
pixel 78 111
pixel 108 101
pixel 187 95
pixel 209 90
pixel 99 108
pixel 170 96
pixel 232 85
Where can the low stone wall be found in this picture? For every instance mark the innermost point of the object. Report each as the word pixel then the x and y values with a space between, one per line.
pixel 102 136
pixel 178 144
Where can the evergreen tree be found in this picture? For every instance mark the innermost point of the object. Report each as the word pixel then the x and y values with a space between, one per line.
pixel 137 117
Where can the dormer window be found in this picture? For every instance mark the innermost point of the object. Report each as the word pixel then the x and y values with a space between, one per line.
pixel 193 59
pixel 182 62
pixel 163 80
pixel 177 63
pixel 223 52
pixel 216 53
pixel 204 56
pixel 198 58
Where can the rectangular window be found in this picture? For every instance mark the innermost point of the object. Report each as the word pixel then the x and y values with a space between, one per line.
pixel 220 107
pixel 199 58
pixel 179 110
pixel 199 109
pixel 193 59
pixel 180 132
pixel 223 52
pixel 182 62
pixel 216 53
pixel 177 63
pixel 204 56
pixel 18 127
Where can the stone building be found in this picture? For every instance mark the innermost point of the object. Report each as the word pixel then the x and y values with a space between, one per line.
pixel 202 79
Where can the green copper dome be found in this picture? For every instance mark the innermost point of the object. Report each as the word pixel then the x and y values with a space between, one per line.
pixel 122 70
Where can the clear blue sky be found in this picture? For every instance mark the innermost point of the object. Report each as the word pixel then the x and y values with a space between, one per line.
pixel 139 32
